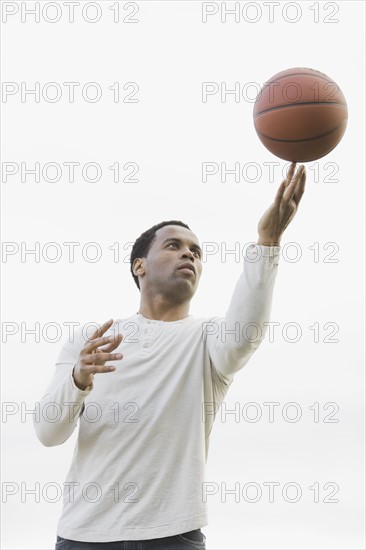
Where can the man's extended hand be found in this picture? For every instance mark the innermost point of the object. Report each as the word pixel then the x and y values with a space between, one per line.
pixel 277 217
pixel 92 359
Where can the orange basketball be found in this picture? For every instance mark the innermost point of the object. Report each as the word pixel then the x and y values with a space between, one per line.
pixel 300 114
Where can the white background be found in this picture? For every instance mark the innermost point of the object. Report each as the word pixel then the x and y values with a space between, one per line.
pixel 169 133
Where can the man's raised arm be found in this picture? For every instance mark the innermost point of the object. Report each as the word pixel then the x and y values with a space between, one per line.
pixel 233 339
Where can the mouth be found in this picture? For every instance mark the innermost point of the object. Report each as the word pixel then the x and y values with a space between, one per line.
pixel 187 268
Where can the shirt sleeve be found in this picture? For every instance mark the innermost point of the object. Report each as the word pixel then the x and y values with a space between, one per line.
pixel 57 414
pixel 231 340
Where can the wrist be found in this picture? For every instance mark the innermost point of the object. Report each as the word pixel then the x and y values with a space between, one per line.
pixel 79 385
pixel 269 242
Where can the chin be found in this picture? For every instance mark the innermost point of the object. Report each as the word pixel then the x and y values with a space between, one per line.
pixel 182 292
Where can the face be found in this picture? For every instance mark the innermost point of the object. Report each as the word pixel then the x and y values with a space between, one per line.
pixel 161 271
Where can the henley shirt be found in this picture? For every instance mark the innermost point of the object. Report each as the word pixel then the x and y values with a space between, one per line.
pixel 138 466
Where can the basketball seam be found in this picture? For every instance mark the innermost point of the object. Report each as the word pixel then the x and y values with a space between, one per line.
pixel 300 140
pixel 302 103
pixel 318 75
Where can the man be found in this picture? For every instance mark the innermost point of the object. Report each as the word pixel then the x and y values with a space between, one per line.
pixel 136 478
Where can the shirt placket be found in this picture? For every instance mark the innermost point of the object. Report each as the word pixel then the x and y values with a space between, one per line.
pixel 149 331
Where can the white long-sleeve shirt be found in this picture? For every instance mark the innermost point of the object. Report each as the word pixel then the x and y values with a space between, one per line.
pixel 137 471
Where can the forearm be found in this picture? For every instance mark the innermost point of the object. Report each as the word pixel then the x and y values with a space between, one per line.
pixel 57 414
pixel 245 323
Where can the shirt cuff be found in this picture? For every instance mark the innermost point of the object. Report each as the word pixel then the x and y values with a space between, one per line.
pixel 256 251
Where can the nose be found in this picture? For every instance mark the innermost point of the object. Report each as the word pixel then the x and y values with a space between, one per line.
pixel 187 253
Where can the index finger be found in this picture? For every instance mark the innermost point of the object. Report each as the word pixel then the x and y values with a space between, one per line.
pixel 290 172
pixel 300 188
pixel 291 188
pixel 101 330
pixel 284 184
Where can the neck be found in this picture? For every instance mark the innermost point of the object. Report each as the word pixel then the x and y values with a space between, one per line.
pixel 161 309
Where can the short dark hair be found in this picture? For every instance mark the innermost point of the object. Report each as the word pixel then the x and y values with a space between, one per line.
pixel 142 245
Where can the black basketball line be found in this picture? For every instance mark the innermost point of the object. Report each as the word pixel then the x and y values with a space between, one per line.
pixel 299 140
pixel 318 75
pixel 297 104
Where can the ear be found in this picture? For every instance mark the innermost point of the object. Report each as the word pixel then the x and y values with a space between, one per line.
pixel 138 267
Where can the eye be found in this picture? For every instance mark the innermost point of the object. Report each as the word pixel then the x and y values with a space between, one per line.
pixel 173 244
pixel 197 253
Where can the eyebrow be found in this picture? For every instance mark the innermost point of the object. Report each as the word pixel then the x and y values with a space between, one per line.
pixel 172 239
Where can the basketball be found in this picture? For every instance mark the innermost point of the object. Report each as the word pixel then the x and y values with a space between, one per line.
pixel 300 114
